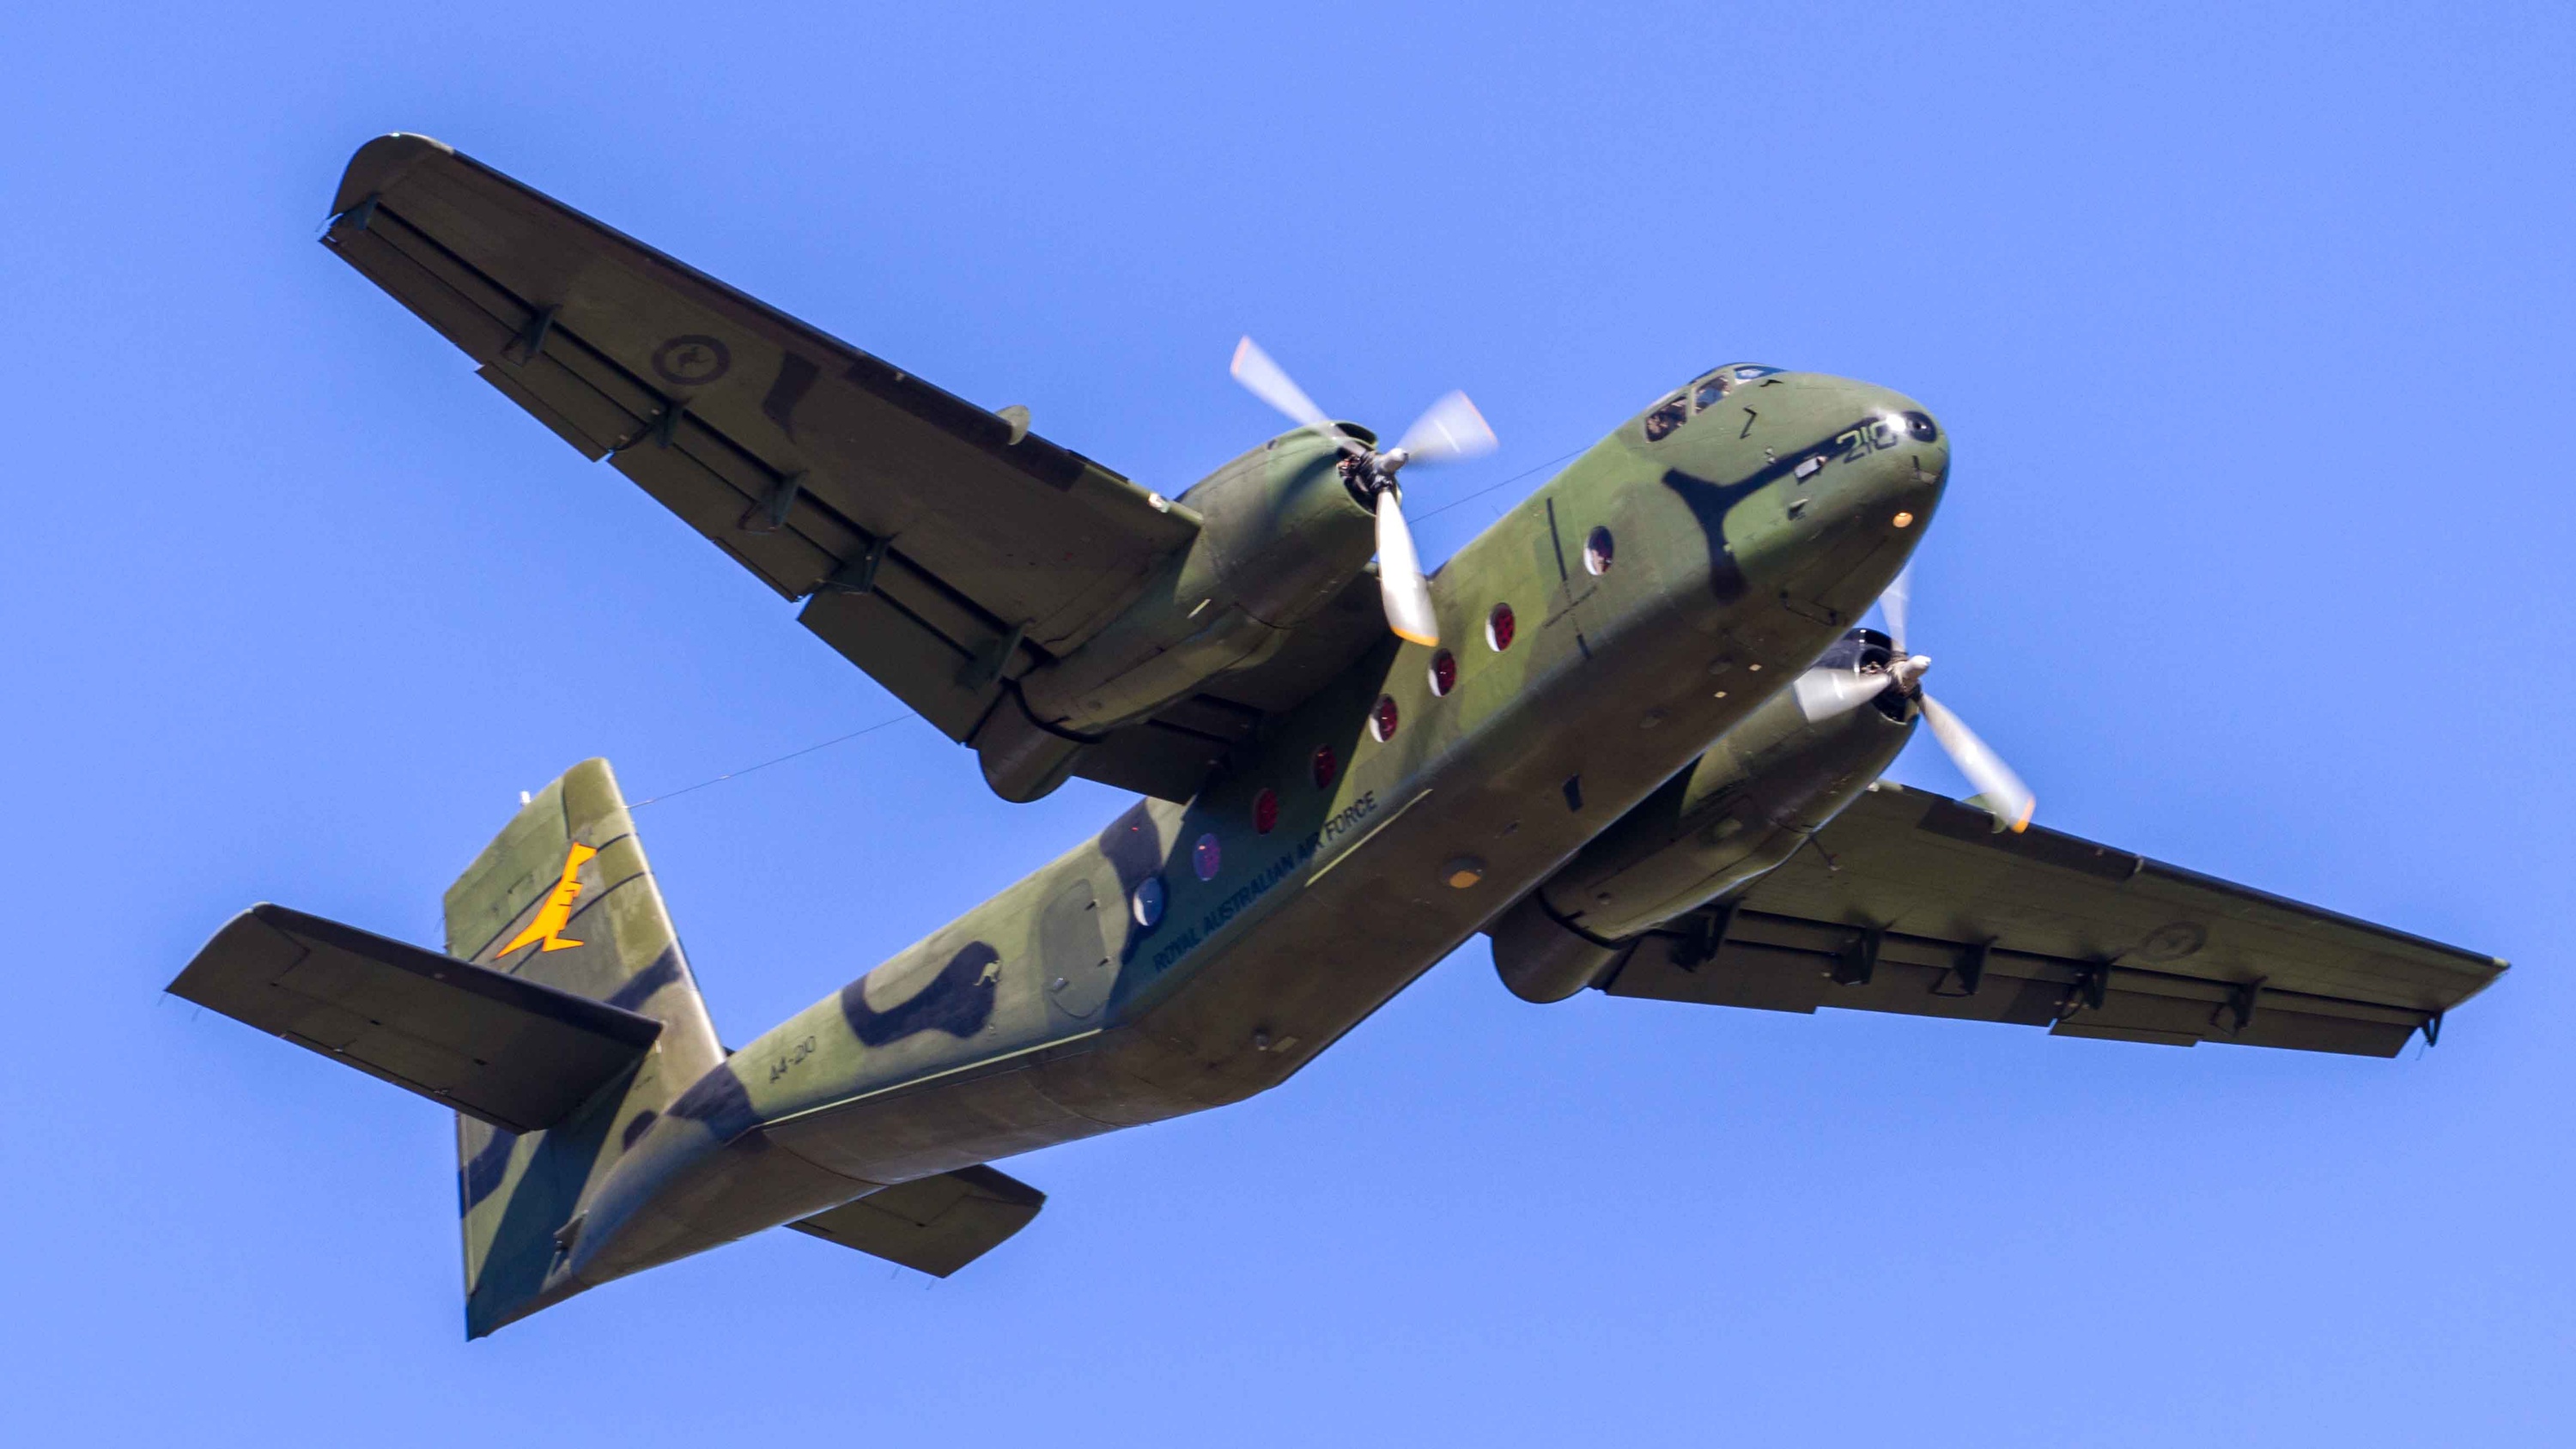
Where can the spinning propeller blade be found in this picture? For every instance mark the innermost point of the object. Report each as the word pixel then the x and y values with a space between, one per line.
pixel 1406 593
pixel 1894 603
pixel 1269 382
pixel 1448 430
pixel 2005 796
pixel 1999 790
pixel 1825 693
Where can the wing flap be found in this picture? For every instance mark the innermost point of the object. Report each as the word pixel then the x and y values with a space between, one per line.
pixel 935 1225
pixel 514 1053
pixel 720 494
pixel 915 662
pixel 1910 903
pixel 544 410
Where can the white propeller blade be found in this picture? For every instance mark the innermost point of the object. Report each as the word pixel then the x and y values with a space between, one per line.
pixel 1450 428
pixel 1823 694
pixel 1399 576
pixel 1267 381
pixel 1894 603
pixel 2006 796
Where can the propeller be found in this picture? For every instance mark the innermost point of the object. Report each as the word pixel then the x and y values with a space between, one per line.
pixel 1825 693
pixel 1448 430
pixel 1998 788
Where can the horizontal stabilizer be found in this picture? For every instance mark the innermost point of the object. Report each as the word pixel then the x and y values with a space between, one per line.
pixel 516 1054
pixel 934 1224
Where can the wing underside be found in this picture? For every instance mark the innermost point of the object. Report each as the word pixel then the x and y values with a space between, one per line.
pixel 1910 902
pixel 944 549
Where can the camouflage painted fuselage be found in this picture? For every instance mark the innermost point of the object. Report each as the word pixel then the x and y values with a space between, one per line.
pixel 1744 542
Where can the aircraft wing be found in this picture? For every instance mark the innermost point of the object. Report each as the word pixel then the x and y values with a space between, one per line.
pixel 940 547
pixel 1910 902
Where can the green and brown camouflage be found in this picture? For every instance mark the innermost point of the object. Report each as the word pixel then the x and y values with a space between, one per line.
pixel 1330 810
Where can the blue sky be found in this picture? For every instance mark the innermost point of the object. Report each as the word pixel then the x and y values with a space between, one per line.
pixel 2248 322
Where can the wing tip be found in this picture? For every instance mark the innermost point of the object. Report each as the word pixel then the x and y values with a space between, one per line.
pixel 381 162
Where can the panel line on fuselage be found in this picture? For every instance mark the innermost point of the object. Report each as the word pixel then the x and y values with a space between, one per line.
pixel 981 1066
pixel 1361 844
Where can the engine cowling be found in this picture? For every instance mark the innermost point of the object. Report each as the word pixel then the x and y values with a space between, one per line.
pixel 1739 810
pixel 1282 532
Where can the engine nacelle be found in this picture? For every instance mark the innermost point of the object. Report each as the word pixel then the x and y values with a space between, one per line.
pixel 1282 532
pixel 1739 810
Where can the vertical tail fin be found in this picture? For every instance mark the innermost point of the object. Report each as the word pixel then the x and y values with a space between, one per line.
pixel 563 897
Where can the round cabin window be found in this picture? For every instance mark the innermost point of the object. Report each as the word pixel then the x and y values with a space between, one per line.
pixel 1327 766
pixel 1498 628
pixel 1382 719
pixel 1597 551
pixel 1265 811
pixel 1444 672
pixel 1207 857
pixel 1147 903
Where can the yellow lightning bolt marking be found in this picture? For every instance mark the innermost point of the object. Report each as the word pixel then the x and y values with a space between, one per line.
pixel 546 930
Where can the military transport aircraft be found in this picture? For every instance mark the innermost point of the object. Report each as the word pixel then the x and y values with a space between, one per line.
pixel 1631 732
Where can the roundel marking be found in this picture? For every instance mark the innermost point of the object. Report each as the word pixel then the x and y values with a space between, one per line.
pixel 2173 941
pixel 692 360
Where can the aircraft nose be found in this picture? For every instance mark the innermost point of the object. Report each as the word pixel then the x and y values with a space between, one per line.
pixel 1859 495
pixel 1888 463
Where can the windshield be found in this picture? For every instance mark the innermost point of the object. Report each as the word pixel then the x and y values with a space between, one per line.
pixel 1709 390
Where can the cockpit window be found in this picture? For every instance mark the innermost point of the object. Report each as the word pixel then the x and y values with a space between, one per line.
pixel 1700 396
pixel 1661 422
